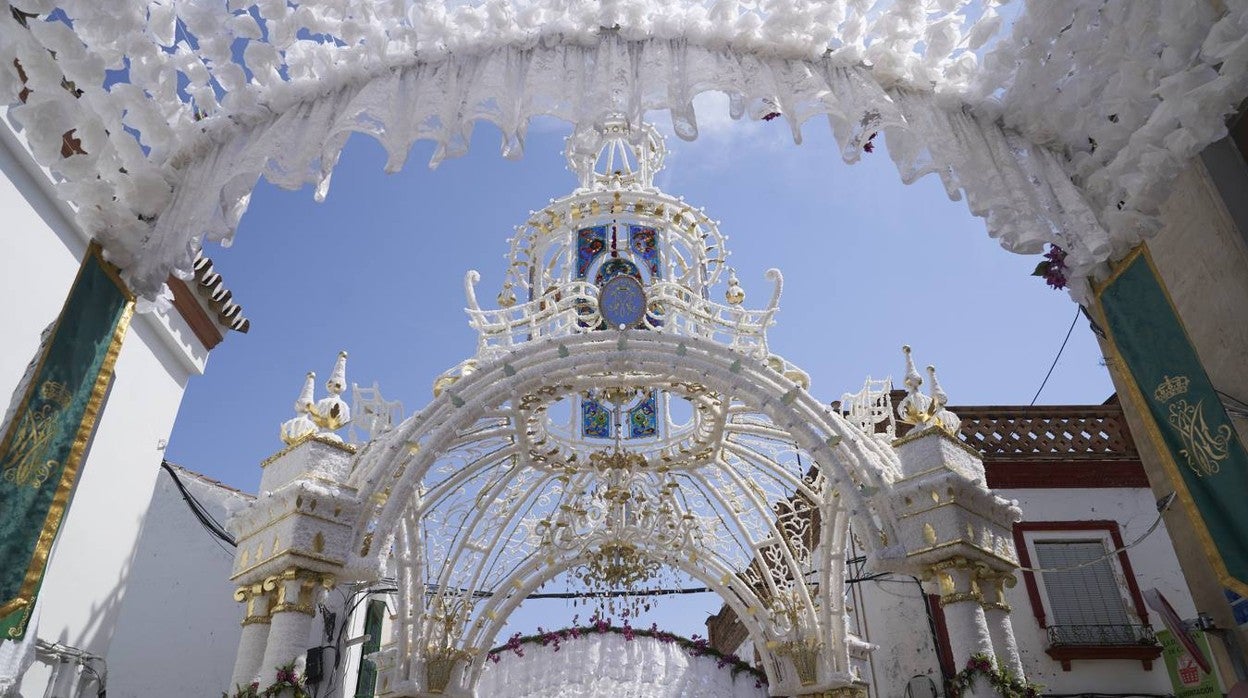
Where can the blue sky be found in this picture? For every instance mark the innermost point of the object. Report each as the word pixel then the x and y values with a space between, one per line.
pixel 377 269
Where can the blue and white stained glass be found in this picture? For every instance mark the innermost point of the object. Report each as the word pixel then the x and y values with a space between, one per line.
pixel 595 419
pixel 642 419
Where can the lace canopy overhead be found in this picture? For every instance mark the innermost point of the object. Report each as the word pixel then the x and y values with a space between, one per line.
pixel 1059 121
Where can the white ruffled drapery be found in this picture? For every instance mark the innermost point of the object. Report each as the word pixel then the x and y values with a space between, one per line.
pixel 1114 96
pixel 1020 189
pixel 609 666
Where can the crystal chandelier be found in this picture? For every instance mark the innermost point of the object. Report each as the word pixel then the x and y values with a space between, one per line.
pixel 616 515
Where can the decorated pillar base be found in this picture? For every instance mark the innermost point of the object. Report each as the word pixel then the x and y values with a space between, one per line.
pixel 296 594
pixel 254 638
pixel 1000 628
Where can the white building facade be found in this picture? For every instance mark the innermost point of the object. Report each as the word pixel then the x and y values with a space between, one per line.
pixel 40 254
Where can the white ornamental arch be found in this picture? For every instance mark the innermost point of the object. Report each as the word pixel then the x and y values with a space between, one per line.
pixel 454 500
pixel 1067 127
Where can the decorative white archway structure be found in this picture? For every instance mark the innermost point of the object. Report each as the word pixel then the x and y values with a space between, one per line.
pixel 1065 126
pixel 616 421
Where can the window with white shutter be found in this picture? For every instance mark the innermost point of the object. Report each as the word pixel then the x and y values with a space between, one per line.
pixel 1083 592
pixel 1084 596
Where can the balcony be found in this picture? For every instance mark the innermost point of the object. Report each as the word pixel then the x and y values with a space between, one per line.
pixel 1070 642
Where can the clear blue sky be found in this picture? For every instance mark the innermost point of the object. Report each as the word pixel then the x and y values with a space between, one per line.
pixel 869 264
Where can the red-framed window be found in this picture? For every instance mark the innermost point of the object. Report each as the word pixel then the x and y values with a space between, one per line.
pixel 1085 597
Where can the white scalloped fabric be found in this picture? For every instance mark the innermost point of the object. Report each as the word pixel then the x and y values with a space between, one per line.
pixel 1066 124
pixel 608 666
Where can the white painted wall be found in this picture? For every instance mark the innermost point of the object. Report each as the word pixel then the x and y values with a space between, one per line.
pixel 1153 561
pixel 179 627
pixel 897 621
pixel 40 252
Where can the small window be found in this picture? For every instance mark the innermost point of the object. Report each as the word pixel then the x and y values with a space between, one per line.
pixel 366 684
pixel 1087 604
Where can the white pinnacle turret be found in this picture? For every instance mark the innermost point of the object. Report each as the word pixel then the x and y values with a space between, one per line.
pixel 301 426
pixel 331 413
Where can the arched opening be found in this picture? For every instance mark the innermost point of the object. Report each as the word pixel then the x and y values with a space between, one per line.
pixel 473 518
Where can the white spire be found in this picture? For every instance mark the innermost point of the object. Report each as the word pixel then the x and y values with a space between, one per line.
pixel 299 427
pixel 331 413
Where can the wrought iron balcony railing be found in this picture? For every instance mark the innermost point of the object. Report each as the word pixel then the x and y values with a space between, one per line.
pixel 1100 635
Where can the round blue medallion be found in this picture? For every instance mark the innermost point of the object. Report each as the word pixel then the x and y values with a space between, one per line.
pixel 622 301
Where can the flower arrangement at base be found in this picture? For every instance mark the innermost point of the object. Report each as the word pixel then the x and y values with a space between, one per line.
pixel 1002 681
pixel 695 646
pixel 287 684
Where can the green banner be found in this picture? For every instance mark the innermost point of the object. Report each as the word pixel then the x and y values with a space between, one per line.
pixel 1186 677
pixel 50 429
pixel 1202 454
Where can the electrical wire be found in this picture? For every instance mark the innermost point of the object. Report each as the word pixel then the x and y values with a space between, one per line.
pixel 1162 505
pixel 1055 358
pixel 205 518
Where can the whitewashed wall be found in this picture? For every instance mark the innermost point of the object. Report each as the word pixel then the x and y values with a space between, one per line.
pixel 40 252
pixel 897 621
pixel 1153 561
pixel 180 625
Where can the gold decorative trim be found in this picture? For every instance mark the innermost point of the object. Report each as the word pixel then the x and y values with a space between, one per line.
pixel 990 553
pixel 64 490
pixel 293 553
pixel 947 504
pixel 295 512
pixel 293 607
pixel 997 606
pixel 961 597
pixel 256 620
pixel 340 445
pixel 937 431
pixel 1136 397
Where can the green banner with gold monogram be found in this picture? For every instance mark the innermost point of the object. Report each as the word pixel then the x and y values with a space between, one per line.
pixel 46 439
pixel 1189 426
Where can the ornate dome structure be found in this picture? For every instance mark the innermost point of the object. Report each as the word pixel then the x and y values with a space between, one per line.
pixel 615 424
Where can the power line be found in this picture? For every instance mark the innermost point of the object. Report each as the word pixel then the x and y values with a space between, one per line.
pixel 205 519
pixel 1059 355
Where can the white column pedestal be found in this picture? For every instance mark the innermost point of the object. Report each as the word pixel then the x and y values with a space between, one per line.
pixel 254 638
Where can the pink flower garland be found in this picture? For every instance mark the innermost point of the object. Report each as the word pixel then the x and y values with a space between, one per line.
pixel 695 646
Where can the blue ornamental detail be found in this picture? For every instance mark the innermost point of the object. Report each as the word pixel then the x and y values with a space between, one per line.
pixel 595 419
pixel 622 302
pixel 643 419
pixel 644 243
pixel 591 243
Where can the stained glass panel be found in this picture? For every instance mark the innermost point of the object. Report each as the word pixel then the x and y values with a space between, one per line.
pixel 644 243
pixel 595 419
pixel 590 243
pixel 643 419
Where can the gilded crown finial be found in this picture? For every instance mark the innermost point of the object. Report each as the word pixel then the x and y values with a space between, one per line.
pixel 301 426
pixel 331 413
pixel 1171 387
pixel 924 411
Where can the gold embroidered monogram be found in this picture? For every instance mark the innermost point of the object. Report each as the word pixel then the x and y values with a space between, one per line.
pixel 36 434
pixel 1204 449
